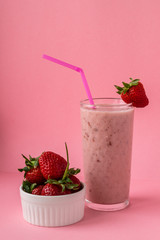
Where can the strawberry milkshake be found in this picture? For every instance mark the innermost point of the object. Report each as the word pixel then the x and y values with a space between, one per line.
pixel 107 130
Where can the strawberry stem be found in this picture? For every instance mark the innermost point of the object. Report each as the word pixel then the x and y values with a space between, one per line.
pixel 67 167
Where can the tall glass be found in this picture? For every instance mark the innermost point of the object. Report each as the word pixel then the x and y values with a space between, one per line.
pixel 107 129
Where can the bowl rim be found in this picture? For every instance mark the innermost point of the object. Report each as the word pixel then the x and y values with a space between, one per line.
pixel 55 197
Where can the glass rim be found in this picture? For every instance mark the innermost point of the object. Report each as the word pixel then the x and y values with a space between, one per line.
pixel 86 103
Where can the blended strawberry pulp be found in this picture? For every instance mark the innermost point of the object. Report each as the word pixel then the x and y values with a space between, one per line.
pixel 107 148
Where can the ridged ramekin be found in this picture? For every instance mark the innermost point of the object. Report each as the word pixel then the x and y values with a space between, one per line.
pixel 53 211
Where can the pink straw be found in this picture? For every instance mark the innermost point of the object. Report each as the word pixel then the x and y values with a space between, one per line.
pixel 76 69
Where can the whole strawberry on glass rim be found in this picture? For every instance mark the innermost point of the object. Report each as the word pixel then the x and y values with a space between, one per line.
pixel 134 93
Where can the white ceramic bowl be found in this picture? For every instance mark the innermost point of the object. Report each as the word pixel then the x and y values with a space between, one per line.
pixel 53 211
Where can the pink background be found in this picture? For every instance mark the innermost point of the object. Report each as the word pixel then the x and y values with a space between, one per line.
pixel 111 40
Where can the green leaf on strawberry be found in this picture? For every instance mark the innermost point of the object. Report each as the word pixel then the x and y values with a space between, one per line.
pixel 24 169
pixel 63 187
pixel 71 186
pixel 33 185
pixel 73 171
pixel 28 187
pixel 127 86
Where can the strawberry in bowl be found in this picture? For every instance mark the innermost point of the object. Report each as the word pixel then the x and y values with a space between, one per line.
pixel 55 199
pixel 32 170
pixel 52 165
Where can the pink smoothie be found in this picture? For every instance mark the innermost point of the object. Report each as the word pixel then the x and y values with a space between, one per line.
pixel 107 147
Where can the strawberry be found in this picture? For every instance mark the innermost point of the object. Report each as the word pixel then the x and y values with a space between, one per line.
pixel 66 191
pixel 51 190
pixel 34 175
pixel 76 181
pixel 32 170
pixel 54 190
pixel 37 190
pixel 134 93
pixel 52 165
pixel 68 183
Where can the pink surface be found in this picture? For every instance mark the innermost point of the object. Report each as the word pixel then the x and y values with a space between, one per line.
pixel 139 221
